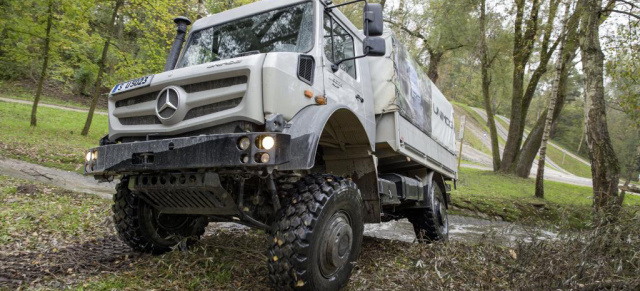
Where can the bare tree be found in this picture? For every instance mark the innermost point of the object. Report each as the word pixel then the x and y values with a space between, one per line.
pixel 103 63
pixel 551 108
pixel 486 63
pixel 605 169
pixel 45 64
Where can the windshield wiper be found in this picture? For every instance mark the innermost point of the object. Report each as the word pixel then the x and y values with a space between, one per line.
pixel 247 53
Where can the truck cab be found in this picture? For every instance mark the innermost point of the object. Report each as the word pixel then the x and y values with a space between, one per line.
pixel 281 115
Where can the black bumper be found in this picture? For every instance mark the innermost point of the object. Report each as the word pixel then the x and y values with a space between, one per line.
pixel 205 151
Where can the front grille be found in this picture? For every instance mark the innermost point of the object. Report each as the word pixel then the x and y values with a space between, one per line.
pixel 140 120
pixel 306 66
pixel 138 99
pixel 212 108
pixel 215 84
pixel 201 99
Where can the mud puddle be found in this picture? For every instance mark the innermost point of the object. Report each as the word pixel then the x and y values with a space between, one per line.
pixel 462 228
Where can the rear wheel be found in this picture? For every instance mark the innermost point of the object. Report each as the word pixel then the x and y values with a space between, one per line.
pixel 318 234
pixel 431 222
pixel 146 230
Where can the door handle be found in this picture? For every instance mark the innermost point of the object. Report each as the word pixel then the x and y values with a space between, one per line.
pixel 359 98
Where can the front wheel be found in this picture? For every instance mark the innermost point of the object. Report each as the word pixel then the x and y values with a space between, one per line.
pixel 146 230
pixel 318 234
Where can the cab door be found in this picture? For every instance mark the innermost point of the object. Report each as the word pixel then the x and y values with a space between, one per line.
pixel 342 86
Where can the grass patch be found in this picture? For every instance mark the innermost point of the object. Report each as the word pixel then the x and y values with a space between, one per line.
pixel 565 206
pixel 502 122
pixel 18 91
pixel 35 217
pixel 56 141
pixel 478 120
pixel 570 164
pixel 475 142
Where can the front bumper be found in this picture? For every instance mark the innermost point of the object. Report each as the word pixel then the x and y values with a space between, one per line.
pixel 198 152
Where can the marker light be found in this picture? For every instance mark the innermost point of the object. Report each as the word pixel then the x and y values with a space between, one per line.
pixel 244 143
pixel 268 142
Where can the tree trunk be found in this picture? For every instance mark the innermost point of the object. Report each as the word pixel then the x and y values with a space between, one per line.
pixel 45 65
pixel 522 47
pixel 539 192
pixel 103 61
pixel 534 139
pixel 486 83
pixel 201 9
pixel 605 169
pixel 434 62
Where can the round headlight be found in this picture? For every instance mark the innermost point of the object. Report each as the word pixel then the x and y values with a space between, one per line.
pixel 264 158
pixel 268 142
pixel 87 157
pixel 244 143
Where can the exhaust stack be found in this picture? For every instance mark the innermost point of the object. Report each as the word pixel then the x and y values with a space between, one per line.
pixel 182 23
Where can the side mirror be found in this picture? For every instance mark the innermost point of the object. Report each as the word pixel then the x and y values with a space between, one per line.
pixel 372 19
pixel 374 46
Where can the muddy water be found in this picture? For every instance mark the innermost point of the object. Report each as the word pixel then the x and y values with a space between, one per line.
pixel 462 228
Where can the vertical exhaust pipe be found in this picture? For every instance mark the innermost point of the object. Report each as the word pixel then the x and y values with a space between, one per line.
pixel 182 23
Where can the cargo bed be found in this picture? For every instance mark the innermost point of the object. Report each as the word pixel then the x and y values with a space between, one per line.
pixel 402 146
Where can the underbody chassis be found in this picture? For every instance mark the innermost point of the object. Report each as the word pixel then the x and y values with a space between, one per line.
pixel 205 175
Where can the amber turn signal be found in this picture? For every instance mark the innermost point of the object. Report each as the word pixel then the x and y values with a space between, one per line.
pixel 321 100
pixel 308 93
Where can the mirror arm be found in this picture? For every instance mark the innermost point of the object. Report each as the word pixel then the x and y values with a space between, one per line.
pixel 328 8
pixel 336 66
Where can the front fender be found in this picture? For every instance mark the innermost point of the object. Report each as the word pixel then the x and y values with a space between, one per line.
pixel 306 129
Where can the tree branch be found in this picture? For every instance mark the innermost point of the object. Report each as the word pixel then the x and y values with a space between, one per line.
pixel 622 12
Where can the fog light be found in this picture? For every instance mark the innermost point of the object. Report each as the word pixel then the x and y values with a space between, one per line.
pixel 268 142
pixel 244 143
pixel 263 158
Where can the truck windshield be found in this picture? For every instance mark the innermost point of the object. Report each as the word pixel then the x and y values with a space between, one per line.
pixel 288 29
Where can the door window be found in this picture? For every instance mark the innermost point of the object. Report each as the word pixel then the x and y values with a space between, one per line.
pixel 339 45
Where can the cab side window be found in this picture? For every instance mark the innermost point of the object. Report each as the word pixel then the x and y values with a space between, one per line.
pixel 339 45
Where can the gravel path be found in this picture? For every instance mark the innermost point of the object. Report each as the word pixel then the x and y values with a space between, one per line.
pixel 50 105
pixel 60 178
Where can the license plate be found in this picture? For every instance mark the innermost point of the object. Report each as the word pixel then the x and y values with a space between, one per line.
pixel 132 84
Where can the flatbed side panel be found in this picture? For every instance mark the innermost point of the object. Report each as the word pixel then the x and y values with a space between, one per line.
pixel 409 141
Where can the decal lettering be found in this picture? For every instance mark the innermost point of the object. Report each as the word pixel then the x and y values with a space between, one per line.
pixel 444 118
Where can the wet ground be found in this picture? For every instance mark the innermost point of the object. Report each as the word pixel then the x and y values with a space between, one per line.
pixel 462 228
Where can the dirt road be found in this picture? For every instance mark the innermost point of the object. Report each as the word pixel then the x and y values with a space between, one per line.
pixel 10 100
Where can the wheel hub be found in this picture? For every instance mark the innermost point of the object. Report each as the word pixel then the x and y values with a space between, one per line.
pixel 335 247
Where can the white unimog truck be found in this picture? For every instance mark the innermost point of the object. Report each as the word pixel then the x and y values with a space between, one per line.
pixel 280 115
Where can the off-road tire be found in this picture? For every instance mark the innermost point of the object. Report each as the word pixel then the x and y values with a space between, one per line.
pixel 132 219
pixel 316 208
pixel 430 223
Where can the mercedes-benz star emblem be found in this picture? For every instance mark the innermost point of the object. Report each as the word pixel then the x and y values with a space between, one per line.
pixel 167 103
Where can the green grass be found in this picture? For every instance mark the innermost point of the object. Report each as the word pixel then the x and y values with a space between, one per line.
pixel 571 164
pixel 478 120
pixel 56 141
pixel 16 91
pixel 502 122
pixel 34 216
pixel 475 142
pixel 512 198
